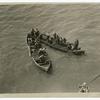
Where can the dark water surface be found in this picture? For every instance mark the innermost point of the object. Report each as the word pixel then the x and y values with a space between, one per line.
pixel 17 71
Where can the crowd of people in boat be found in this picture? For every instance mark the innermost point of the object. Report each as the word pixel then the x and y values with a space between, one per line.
pixel 34 41
pixel 55 39
pixel 58 40
pixel 36 46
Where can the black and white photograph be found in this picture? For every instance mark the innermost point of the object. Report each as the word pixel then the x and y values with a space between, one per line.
pixel 50 48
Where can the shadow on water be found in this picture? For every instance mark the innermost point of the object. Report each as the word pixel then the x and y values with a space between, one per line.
pixel 50 71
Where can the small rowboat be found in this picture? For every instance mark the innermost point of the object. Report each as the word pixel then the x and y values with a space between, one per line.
pixel 61 47
pixel 43 66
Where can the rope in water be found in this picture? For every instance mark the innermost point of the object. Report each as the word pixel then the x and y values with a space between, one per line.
pixel 94 79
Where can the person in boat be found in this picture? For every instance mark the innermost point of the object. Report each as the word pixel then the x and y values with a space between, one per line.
pixel 48 36
pixel 61 40
pixel 37 45
pixel 31 50
pixel 37 33
pixel 57 39
pixel 41 36
pixel 33 32
pixel 29 38
pixel 64 40
pixel 42 51
pixel 55 35
pixel 76 44
pixel 51 39
pixel 84 88
pixel 69 46
pixel 42 55
pixel 42 59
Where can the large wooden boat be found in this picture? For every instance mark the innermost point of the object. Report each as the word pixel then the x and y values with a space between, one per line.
pixel 59 47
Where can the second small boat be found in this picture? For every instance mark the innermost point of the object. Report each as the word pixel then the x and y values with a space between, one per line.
pixel 43 65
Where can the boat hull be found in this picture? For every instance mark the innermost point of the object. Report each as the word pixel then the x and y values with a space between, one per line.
pixel 62 48
pixel 45 67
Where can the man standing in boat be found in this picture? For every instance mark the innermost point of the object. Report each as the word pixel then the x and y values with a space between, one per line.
pixel 33 32
pixel 37 33
pixel 76 44
pixel 55 35
pixel 29 38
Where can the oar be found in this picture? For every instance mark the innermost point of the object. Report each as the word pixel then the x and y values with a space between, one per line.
pixel 97 76
pixel 29 50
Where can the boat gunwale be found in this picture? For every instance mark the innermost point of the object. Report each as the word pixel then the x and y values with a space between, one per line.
pixel 67 51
